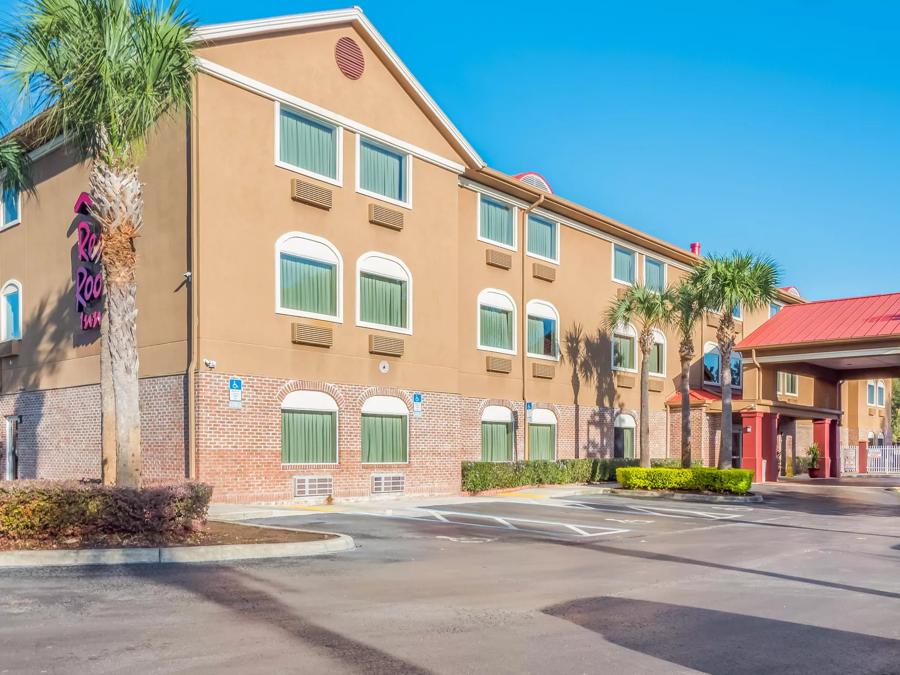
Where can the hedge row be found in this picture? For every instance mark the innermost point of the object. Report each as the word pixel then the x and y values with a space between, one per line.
pixel 736 481
pixel 480 476
pixel 51 510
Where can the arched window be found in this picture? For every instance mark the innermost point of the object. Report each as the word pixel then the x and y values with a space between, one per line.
pixel 309 428
pixel 10 207
pixel 658 354
pixel 497 434
pixel 496 321
pixel 624 346
pixel 542 330
pixel 384 293
pixel 623 437
pixel 308 273
pixel 880 398
pixel 712 364
pixel 11 317
pixel 880 440
pixel 542 435
pixel 870 439
pixel 385 431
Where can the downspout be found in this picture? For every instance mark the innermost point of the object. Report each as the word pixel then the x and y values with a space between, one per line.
pixel 194 315
pixel 524 346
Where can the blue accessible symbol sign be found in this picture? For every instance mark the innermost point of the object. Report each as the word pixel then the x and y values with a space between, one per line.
pixel 417 403
pixel 235 392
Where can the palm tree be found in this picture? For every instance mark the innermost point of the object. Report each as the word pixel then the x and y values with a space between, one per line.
pixel 14 165
pixel 574 354
pixel 105 72
pixel 687 311
pixel 651 310
pixel 726 283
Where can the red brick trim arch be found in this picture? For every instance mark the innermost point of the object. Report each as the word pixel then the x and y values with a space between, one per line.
pixel 386 391
pixel 494 401
pixel 305 385
pixel 549 406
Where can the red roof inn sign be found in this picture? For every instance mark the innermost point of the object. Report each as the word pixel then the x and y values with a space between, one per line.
pixel 88 275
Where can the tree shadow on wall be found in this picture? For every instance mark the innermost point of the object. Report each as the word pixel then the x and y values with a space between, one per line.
pixel 589 357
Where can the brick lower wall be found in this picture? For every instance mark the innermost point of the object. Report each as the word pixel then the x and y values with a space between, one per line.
pixel 59 433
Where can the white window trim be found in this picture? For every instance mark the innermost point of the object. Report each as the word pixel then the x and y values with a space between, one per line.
pixel 612 257
pixel 339 274
pixel 543 416
pixel 660 338
pixel 312 401
pixel 781 387
pixel 409 172
pixel 339 146
pixel 11 223
pixel 665 269
pixel 409 292
pixel 478 305
pixel 497 413
pixel 740 313
pixel 779 305
pixel 741 359
pixel 515 224
pixel 551 313
pixel 556 229
pixel 392 406
pixel 879 388
pixel 623 331
pixel 871 402
pixel 4 332
pixel 709 348
pixel 624 421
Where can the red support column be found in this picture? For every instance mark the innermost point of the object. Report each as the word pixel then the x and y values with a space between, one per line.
pixel 752 443
pixel 770 445
pixel 823 436
pixel 862 457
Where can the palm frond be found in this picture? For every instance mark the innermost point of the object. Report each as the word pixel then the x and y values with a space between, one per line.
pixel 741 279
pixel 15 167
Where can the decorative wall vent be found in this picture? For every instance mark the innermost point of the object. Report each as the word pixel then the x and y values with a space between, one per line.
pixel 349 58
pixel 307 193
pixel 10 348
pixel 625 381
pixel 495 364
pixel 543 371
pixel 317 336
pixel 544 272
pixel 313 486
pixel 497 259
pixel 387 346
pixel 386 483
pixel 872 412
pixel 655 384
pixel 535 180
pixel 379 215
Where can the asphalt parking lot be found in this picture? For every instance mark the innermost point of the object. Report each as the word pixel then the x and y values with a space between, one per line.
pixel 808 582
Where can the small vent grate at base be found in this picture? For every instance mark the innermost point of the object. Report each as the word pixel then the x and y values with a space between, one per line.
pixel 388 482
pixel 313 486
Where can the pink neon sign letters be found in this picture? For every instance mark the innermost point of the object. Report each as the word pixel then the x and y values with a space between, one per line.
pixel 88 275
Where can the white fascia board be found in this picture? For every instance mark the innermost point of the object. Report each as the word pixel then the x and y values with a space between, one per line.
pixel 824 356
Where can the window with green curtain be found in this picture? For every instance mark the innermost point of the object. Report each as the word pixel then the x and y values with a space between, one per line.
pixel 623 264
pixel 870 392
pixel 655 275
pixel 308 437
pixel 541 336
pixel 382 300
pixel 658 358
pixel 384 439
pixel 496 327
pixel 308 285
pixel 496 221
pixel 623 351
pixel 542 237
pixel 307 143
pixel 382 171
pixel 623 443
pixel 496 441
pixel 542 441
pixel 10 205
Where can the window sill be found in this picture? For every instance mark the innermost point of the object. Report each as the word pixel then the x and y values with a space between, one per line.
pixel 543 357
pixel 337 182
pixel 497 350
pixel 388 464
pixel 385 199
pixel 631 371
pixel 308 315
pixel 498 244
pixel 300 465
pixel 10 225
pixel 389 329
pixel 623 283
pixel 537 256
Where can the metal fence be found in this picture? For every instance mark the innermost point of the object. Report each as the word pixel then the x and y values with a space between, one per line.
pixel 884 459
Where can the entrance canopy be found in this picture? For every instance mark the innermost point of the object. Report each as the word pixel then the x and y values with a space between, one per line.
pixel 845 339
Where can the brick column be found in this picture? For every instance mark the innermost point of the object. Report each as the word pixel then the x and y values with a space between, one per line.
pixel 752 443
pixel 862 457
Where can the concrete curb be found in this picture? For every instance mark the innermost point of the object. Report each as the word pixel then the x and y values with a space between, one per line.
pixel 176 554
pixel 685 496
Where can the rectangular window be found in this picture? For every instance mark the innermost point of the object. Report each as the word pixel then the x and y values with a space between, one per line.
pixel 541 336
pixel 308 144
pixel 880 395
pixel 654 274
pixel 384 439
pixel 542 441
pixel 308 285
pixel 496 441
pixel 623 443
pixel 870 393
pixel 623 264
pixel 658 359
pixel 308 437
pixel 383 172
pixel 737 313
pixel 737 371
pixel 542 237
pixel 774 308
pixel 382 300
pixel 623 352
pixel 10 206
pixel 496 328
pixel 788 384
pixel 495 222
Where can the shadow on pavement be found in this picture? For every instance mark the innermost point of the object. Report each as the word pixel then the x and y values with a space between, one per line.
pixel 836 502
pixel 713 641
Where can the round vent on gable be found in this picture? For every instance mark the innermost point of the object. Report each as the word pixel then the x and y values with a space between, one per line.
pixel 792 290
pixel 535 180
pixel 349 58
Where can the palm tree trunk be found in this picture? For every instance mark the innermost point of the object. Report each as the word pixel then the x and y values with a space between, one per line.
pixel 645 408
pixel 107 405
pixel 685 386
pixel 118 206
pixel 725 337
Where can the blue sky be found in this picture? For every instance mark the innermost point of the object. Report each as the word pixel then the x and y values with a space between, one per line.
pixel 771 126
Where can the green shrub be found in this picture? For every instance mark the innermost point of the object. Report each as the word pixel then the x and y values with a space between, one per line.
pixel 53 510
pixel 736 481
pixel 481 476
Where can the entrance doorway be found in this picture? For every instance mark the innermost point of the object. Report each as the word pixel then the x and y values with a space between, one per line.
pixel 11 465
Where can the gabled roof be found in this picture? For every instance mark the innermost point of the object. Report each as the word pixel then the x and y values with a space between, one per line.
pixel 700 396
pixel 353 16
pixel 842 320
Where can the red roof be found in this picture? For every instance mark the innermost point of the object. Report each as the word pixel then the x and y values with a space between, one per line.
pixel 701 395
pixel 871 316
